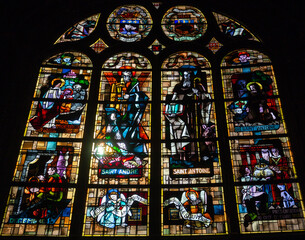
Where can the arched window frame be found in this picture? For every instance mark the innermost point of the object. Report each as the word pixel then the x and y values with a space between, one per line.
pixel 221 52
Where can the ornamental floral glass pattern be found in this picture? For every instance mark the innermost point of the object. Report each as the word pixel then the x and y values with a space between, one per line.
pixel 184 23
pixel 80 30
pixel 156 47
pixel 189 148
pixel 129 23
pixel 122 152
pixel 214 45
pixel 61 93
pixel 99 46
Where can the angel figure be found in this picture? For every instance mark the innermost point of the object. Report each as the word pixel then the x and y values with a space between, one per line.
pixel 114 209
pixel 192 208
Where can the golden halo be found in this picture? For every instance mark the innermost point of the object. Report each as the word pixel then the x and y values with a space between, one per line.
pixel 250 83
pixel 62 81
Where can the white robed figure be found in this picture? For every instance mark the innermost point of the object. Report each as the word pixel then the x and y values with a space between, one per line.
pixel 114 209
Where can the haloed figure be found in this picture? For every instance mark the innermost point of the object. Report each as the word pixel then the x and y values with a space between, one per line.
pixel 48 111
pixel 257 108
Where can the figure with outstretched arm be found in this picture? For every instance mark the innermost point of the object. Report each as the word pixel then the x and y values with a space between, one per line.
pixel 114 208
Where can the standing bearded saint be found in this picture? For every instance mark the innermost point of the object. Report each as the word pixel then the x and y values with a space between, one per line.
pixel 187 115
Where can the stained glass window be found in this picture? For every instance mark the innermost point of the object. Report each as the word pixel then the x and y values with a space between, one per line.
pixel 36 156
pixel 232 28
pixel 93 163
pixel 288 216
pixel 121 153
pixel 189 148
pixel 268 197
pixel 129 219
pixel 249 81
pixel 80 30
pixel 129 23
pixel 47 218
pixel 193 211
pixel 184 23
pixel 42 206
pixel 257 153
pixel 59 106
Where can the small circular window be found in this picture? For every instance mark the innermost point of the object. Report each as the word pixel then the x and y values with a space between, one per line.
pixel 129 23
pixel 184 23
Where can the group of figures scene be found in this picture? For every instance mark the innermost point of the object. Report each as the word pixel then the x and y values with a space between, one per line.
pixel 285 213
pixel 255 108
pixel 193 211
pixel 39 211
pixel 121 153
pixel 188 122
pixel 61 95
pixel 43 206
pixel 267 162
pixel 131 23
pixel 37 156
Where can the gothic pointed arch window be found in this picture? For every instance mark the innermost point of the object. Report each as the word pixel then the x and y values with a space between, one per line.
pixel 155 120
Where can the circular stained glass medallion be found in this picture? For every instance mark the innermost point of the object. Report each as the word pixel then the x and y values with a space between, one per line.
pixel 129 23
pixel 184 23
